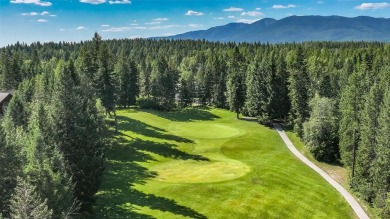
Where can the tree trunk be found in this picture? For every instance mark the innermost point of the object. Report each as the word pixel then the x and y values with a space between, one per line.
pixel 115 119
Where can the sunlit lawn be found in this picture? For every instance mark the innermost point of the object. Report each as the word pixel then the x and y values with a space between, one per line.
pixel 207 164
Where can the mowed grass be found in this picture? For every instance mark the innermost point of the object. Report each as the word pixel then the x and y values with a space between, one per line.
pixel 200 163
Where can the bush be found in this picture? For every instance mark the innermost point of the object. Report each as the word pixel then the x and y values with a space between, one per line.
pixel 148 103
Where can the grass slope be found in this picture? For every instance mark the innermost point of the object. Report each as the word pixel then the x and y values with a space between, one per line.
pixel 206 164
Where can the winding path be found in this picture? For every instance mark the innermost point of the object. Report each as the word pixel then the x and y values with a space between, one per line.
pixel 350 199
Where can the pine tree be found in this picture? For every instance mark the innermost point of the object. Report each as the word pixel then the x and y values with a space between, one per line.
pixel 78 134
pixel 219 89
pixel 164 84
pixel 259 93
pixel 106 91
pixel 236 82
pixel 280 103
pixel 127 75
pixel 185 94
pixel 12 141
pixel 298 89
pixel 381 165
pixel 26 203
pixel 350 124
pixel 368 143
pixel 45 164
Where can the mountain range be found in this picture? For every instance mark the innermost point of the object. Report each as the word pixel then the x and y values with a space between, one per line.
pixel 297 29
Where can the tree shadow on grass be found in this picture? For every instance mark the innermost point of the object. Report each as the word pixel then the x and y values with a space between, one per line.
pixel 142 128
pixel 185 115
pixel 167 150
pixel 117 196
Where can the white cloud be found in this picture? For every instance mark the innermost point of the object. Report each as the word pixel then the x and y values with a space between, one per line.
pixel 283 6
pixel 62 29
pixel 320 2
pixel 163 27
pixel 116 29
pixel 30 14
pixel 134 24
pixel 105 25
pixel 41 20
pixel 233 9
pixel 195 13
pixel 252 13
pixel 153 23
pixel 257 9
pixel 372 6
pixel 53 15
pixel 195 25
pixel 161 19
pixel 219 18
pixel 135 37
pixel 123 29
pixel 94 2
pixel 120 2
pixel 81 28
pixel 35 2
pixel 45 13
pixel 248 21
pixel 231 17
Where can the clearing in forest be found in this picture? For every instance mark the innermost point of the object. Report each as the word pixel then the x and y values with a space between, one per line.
pixel 204 163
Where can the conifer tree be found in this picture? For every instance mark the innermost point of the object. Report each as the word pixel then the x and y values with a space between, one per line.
pixel 164 84
pixel 298 88
pixel 77 133
pixel 26 203
pixel 45 164
pixel 127 74
pixel 259 90
pixel 280 103
pixel 350 124
pixel 219 89
pixel 236 82
pixel 368 143
pixel 381 165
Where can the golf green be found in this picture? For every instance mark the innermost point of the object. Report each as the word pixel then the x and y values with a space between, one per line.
pixel 205 130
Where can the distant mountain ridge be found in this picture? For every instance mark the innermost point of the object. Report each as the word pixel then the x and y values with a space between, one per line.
pixel 298 29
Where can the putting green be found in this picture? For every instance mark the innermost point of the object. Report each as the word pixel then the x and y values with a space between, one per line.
pixel 190 171
pixel 205 130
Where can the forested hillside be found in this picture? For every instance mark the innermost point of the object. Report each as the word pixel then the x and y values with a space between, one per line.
pixel 52 136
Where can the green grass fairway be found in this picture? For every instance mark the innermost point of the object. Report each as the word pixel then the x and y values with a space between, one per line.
pixel 206 164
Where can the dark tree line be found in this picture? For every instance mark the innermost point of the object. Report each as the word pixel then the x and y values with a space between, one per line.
pixel 335 95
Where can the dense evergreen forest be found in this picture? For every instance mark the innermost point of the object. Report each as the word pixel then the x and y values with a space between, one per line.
pixel 336 96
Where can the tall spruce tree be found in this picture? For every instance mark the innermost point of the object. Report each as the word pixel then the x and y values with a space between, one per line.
pixel 368 143
pixel 105 82
pixel 280 103
pixel 219 88
pixel 236 82
pixel 298 88
pixel 127 76
pixel 164 80
pixel 12 143
pixel 78 134
pixel 258 97
pixel 45 164
pixel 381 165
pixel 26 203
pixel 350 124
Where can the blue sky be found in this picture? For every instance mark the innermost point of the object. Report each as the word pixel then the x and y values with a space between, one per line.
pixel 76 20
